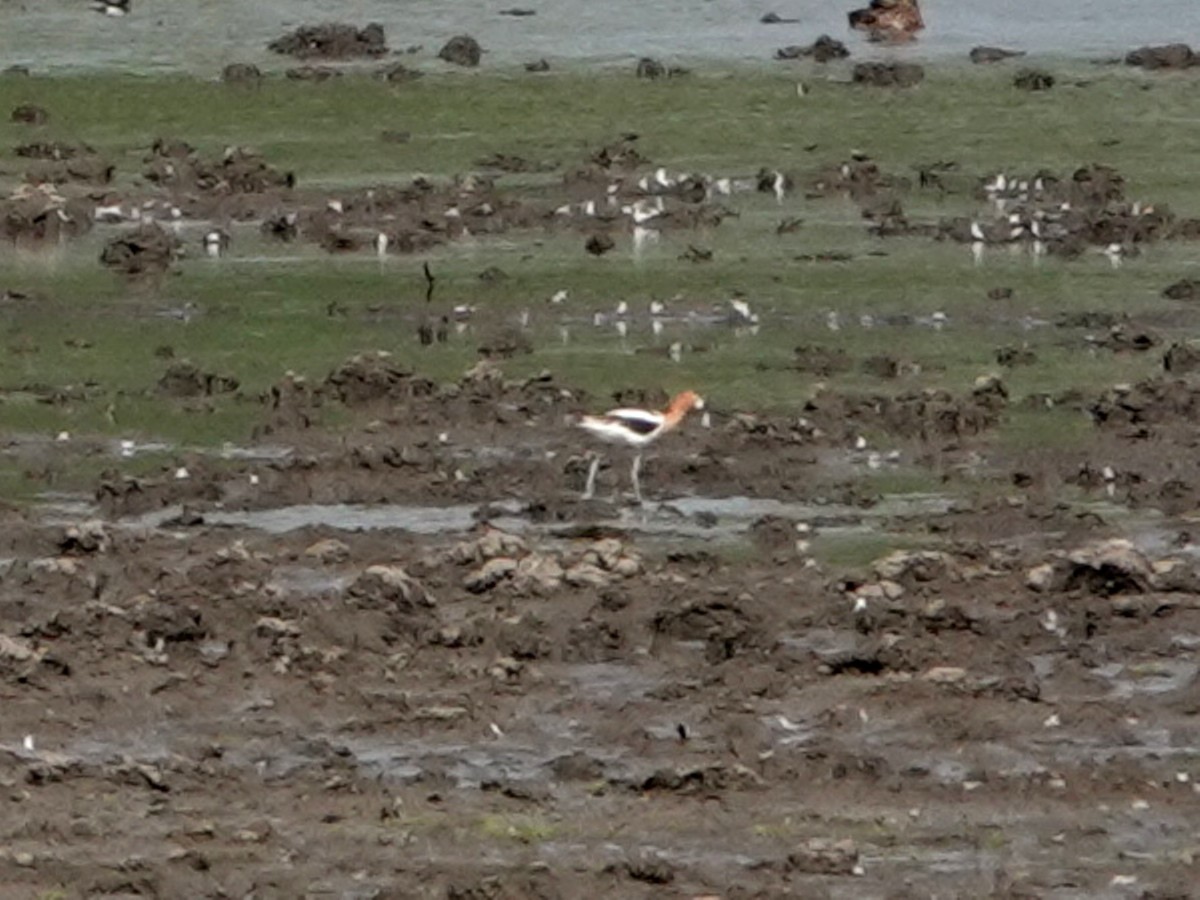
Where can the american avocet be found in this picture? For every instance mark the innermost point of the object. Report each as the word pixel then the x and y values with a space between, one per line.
pixel 635 428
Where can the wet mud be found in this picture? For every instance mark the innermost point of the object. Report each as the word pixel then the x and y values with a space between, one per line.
pixel 346 662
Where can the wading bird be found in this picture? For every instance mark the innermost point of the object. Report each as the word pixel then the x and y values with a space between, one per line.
pixel 635 428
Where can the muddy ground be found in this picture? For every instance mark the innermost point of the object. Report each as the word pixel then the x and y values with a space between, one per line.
pixel 384 650
pixel 217 682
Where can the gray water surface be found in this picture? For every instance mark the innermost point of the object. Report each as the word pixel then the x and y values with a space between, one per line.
pixel 201 36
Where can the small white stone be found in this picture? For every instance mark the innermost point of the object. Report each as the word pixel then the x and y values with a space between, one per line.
pixel 1123 880
pixel 182 474
pixel 444 438
pixel 253 478
pixel 63 436
pixel 1183 777
pixel 1139 804
pixel 1052 721
pixel 28 743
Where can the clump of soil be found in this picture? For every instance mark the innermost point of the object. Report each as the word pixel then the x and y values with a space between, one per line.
pixel 42 214
pixel 331 41
pixel 461 50
pixel 241 73
pixel 144 250
pixel 29 114
pixel 992 54
pixel 1167 56
pixel 184 379
pixel 822 50
pixel 888 74
pixel 239 170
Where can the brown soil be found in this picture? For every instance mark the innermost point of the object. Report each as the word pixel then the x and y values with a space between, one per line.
pixel 583 709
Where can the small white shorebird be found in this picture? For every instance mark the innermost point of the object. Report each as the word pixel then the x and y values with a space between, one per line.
pixel 635 428
pixel 111 7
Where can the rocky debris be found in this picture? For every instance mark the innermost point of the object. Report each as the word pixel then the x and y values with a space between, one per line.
pixel 1184 289
pixel 893 74
pixel 822 361
pixel 329 550
pixel 822 856
pixel 176 165
pixel 331 41
pixel 1033 80
pixel 410 610
pixel 241 73
pixel 1181 359
pixel 146 249
pixel 1011 357
pixel 37 214
pixel 1153 402
pixel 992 54
pixel 52 150
pixel 928 414
pixel 461 50
pixel 505 559
pixel 538 65
pixel 185 379
pixel 311 73
pixel 1104 568
pixel 909 568
pixel 29 114
pixel 822 50
pixel 1166 56
pixel 726 626
pixel 371 377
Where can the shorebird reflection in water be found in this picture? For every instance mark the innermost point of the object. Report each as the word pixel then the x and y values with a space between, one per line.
pixel 637 428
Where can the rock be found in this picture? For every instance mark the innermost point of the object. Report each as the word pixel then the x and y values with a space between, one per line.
pixel 1033 80
pixel 462 50
pixel 241 73
pixel 490 574
pixel 539 65
pixel 86 537
pixel 879 74
pixel 492 543
pixel 331 41
pixel 821 856
pixel 944 675
pixel 539 574
pixel 1167 56
pixel 1181 359
pixel 822 50
pixel 1042 577
pixel 992 54
pixel 18 649
pixel 584 574
pixel 1184 289
pixel 29 114
pixel 146 249
pixel 329 550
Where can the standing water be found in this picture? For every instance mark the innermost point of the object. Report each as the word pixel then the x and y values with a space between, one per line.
pixel 201 36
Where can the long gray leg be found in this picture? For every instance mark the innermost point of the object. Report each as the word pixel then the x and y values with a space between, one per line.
pixel 590 489
pixel 637 467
